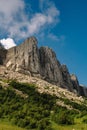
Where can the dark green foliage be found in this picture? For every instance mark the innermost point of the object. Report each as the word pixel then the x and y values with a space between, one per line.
pixel 37 111
pixel 32 112
pixel 85 120
pixel 75 105
pixel 42 124
pixel 63 116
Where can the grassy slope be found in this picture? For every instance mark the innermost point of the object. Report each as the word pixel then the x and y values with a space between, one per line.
pixel 77 126
pixel 35 99
pixel 7 126
pixel 80 126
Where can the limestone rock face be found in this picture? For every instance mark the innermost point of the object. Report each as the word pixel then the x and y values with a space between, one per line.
pixel 52 70
pixel 83 90
pixel 75 83
pixel 2 54
pixel 50 66
pixel 66 77
pixel 25 57
pixel 41 62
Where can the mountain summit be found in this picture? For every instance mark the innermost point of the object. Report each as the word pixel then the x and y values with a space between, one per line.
pixel 41 62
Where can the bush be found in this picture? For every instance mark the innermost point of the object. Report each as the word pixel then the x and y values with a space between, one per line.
pixel 85 121
pixel 43 124
pixel 33 124
pixel 63 118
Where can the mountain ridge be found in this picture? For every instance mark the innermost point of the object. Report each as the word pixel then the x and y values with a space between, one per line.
pixel 41 62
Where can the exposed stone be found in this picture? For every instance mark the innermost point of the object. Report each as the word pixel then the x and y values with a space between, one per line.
pixel 75 83
pixel 83 90
pixel 24 57
pixel 41 85
pixel 50 67
pixel 2 55
pixel 28 59
pixel 66 78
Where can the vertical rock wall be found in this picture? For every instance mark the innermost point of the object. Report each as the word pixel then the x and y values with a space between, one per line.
pixel 3 53
pixel 24 57
pixel 28 59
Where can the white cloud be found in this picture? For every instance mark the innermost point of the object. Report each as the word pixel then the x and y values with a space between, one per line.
pixel 8 10
pixel 59 39
pixel 7 43
pixel 54 37
pixel 17 24
pixel 9 7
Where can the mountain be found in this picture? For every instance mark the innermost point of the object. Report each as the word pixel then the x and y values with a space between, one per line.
pixel 37 92
pixel 34 104
pixel 41 62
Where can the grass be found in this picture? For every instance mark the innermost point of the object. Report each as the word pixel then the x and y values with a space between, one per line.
pixel 80 126
pixel 7 126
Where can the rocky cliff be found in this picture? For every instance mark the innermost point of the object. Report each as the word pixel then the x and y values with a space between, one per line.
pixel 2 54
pixel 41 62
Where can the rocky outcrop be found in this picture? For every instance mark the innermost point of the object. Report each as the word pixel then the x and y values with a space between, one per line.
pixel 66 77
pixel 2 55
pixel 24 58
pixel 27 58
pixel 49 66
pixel 75 83
pixel 41 62
pixel 83 90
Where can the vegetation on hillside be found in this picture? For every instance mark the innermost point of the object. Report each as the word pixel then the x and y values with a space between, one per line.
pixel 36 111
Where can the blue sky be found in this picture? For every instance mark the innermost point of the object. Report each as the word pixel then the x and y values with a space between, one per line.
pixel 59 24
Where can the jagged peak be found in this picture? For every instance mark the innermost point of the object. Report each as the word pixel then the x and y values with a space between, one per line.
pixel 31 39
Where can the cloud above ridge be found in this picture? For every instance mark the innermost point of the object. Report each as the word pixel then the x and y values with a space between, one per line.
pixel 17 24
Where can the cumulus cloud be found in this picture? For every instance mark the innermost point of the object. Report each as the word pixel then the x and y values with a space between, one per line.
pixel 7 43
pixel 17 24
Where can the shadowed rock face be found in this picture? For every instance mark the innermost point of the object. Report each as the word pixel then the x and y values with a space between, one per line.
pixel 3 53
pixel 83 90
pixel 75 83
pixel 52 70
pixel 66 77
pixel 50 67
pixel 27 58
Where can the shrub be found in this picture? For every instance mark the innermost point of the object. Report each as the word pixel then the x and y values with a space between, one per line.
pixel 62 117
pixel 43 124
pixel 85 121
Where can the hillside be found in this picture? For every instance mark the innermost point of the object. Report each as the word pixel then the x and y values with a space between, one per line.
pixel 41 85
pixel 32 103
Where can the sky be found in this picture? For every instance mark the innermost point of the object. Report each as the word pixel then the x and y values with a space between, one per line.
pixel 59 24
